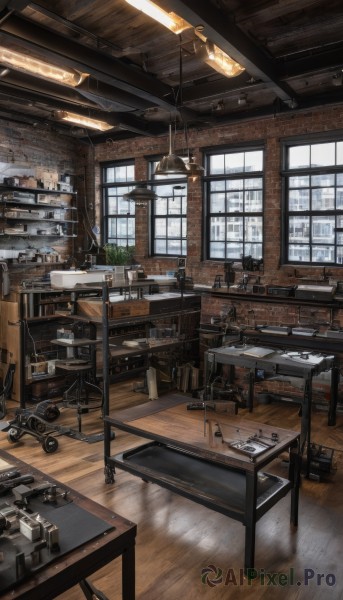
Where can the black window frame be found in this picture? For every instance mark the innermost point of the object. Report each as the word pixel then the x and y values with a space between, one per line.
pixel 313 173
pixel 209 178
pixel 177 183
pixel 126 186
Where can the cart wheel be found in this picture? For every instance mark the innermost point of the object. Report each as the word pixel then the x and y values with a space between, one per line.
pixel 13 435
pixel 50 445
pixel 37 425
pixel 51 413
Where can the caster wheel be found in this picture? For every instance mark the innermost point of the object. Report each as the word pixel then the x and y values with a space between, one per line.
pixel 37 426
pixel 13 435
pixel 50 445
pixel 51 413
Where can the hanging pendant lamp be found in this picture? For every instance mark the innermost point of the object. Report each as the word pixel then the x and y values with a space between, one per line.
pixel 140 195
pixel 171 164
pixel 194 170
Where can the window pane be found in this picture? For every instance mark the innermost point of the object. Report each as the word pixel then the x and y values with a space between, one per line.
pixel 323 229
pixel 339 160
pixel 217 203
pixel 322 154
pixel 322 180
pixel 160 228
pixel 323 254
pixel 217 186
pixel 299 200
pixel 217 250
pixel 253 229
pixel 235 202
pixel 234 184
pixel 160 206
pixel 234 250
pixel 174 247
pixel 299 253
pixel 217 228
pixel 217 164
pixel 254 250
pixel 339 258
pixel 253 201
pixel 299 157
pixel 299 227
pixel 234 162
pixel 323 199
pixel 234 227
pixel 254 161
pixel 161 246
pixel 253 183
pixel 299 181
pixel 174 228
pixel 175 206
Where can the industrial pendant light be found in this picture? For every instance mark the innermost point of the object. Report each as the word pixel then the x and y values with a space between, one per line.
pixel 140 195
pixel 171 164
pixel 194 170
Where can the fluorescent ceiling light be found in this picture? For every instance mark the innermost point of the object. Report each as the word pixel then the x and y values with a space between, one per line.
pixel 169 19
pixel 220 61
pixel 87 122
pixel 40 68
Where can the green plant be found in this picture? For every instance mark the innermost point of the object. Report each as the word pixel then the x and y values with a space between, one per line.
pixel 118 255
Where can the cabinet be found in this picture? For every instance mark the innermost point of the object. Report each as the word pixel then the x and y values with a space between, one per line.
pixel 29 212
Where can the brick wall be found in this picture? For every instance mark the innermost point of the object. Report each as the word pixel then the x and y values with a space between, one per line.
pixel 268 130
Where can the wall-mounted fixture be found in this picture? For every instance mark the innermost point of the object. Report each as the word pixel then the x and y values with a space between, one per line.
pixel 35 66
pixel 88 122
pixel 169 19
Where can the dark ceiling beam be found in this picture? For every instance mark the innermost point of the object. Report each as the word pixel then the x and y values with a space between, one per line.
pixel 324 60
pixel 211 89
pixel 119 74
pixel 231 40
pixel 50 103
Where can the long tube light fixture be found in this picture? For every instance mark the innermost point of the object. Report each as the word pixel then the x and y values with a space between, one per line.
pixel 88 122
pixel 221 62
pixel 40 68
pixel 169 19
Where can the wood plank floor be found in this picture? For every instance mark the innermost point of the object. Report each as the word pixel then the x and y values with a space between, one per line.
pixel 187 551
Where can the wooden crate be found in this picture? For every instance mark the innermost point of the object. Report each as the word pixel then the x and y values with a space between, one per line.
pixel 128 308
pixel 92 307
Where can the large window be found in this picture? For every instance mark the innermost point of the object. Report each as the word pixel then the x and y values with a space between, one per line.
pixel 169 214
pixel 234 203
pixel 118 213
pixel 313 198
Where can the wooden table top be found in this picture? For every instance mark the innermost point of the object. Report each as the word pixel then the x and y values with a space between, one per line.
pixel 68 569
pixel 167 420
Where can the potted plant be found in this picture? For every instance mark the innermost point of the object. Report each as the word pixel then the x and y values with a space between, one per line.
pixel 118 255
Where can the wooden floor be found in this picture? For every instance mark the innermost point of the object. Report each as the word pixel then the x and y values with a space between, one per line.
pixel 185 551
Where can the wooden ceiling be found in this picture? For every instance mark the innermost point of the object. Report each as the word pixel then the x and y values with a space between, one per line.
pixel 141 76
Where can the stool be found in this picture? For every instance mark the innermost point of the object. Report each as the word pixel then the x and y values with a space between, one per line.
pixel 82 394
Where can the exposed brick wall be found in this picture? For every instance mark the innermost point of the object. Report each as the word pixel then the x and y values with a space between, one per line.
pixel 268 130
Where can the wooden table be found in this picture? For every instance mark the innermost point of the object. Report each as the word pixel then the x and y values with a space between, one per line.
pixel 202 467
pixel 71 568
pixel 278 364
